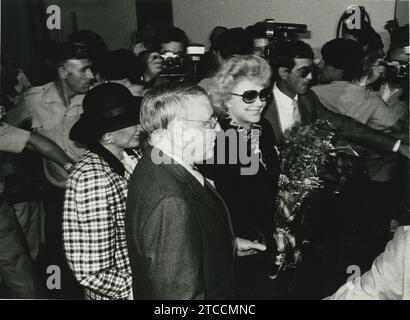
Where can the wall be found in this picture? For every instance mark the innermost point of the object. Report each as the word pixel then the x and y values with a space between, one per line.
pixel 402 11
pixel 16 38
pixel 114 20
pixel 198 17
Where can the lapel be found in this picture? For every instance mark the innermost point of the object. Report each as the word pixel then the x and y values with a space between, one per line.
pixel 304 107
pixel 195 187
pixel 272 116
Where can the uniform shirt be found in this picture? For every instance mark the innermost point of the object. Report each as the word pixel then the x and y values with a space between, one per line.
pixel 43 110
pixel 94 230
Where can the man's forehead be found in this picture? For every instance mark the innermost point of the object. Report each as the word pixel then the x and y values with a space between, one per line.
pixel 81 63
pixel 174 46
pixel 303 63
pixel 260 42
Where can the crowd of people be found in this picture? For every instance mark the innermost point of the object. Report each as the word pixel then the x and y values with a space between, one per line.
pixel 116 167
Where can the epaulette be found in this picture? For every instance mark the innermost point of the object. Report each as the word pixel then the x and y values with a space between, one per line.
pixel 35 90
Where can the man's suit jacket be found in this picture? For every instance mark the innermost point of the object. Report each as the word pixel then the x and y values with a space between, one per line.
pixel 179 236
pixel 311 109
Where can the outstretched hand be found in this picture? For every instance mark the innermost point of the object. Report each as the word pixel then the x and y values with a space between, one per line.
pixel 246 247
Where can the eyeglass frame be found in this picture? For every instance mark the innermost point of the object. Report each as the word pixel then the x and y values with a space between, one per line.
pixel 213 122
pixel 253 100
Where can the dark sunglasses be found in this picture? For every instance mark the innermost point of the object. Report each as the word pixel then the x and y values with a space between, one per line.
pixel 250 96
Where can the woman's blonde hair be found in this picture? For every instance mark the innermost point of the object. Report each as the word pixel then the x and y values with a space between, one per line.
pixel 235 69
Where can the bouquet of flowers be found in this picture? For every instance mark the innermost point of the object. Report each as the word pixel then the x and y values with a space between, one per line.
pixel 305 156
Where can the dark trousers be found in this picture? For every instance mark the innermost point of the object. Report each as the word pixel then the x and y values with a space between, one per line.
pixel 16 266
pixel 54 250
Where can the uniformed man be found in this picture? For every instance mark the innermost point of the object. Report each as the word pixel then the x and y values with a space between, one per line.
pixel 51 110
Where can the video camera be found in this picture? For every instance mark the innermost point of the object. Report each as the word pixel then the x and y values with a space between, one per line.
pixel 277 32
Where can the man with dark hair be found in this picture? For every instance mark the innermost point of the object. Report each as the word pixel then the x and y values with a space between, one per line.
pixel 172 46
pixel 51 110
pixel 372 45
pixel 340 65
pixel 173 39
pixel 259 39
pixel 230 42
pixel 294 102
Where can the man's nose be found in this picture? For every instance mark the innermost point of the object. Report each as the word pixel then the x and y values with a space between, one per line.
pixel 89 74
pixel 309 76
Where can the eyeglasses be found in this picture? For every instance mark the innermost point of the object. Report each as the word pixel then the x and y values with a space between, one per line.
pixel 250 96
pixel 212 123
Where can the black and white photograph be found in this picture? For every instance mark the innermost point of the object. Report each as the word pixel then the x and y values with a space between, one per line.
pixel 227 151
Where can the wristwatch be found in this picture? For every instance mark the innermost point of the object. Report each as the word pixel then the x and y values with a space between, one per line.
pixel 68 167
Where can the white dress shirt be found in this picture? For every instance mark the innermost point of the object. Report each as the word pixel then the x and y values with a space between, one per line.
pixel 287 109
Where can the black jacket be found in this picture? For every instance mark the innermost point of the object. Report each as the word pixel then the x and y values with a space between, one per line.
pixel 250 198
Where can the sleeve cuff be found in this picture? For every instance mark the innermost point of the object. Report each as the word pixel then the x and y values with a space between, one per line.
pixel 396 146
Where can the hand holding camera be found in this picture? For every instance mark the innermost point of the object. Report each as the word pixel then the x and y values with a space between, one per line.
pixel 154 66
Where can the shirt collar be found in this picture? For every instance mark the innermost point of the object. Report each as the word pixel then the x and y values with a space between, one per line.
pixel 197 175
pixel 52 96
pixel 280 97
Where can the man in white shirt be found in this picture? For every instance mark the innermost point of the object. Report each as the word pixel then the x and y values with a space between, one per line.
pixel 293 66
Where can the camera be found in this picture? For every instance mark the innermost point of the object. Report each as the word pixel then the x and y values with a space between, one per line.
pixel 171 60
pixel 182 68
pixel 282 31
pixel 277 32
pixel 397 71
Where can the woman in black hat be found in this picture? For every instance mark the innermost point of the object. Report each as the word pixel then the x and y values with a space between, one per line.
pixel 94 207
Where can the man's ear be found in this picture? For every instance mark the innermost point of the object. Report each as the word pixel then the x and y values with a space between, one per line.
pixel 62 71
pixel 283 72
pixel 219 57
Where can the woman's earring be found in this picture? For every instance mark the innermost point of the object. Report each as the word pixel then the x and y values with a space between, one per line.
pixel 108 139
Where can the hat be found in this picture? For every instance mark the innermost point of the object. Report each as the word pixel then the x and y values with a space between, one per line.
pixel 342 53
pixel 70 51
pixel 107 107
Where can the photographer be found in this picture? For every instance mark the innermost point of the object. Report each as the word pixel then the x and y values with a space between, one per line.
pixel 169 59
pixel 396 89
pixel 374 67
